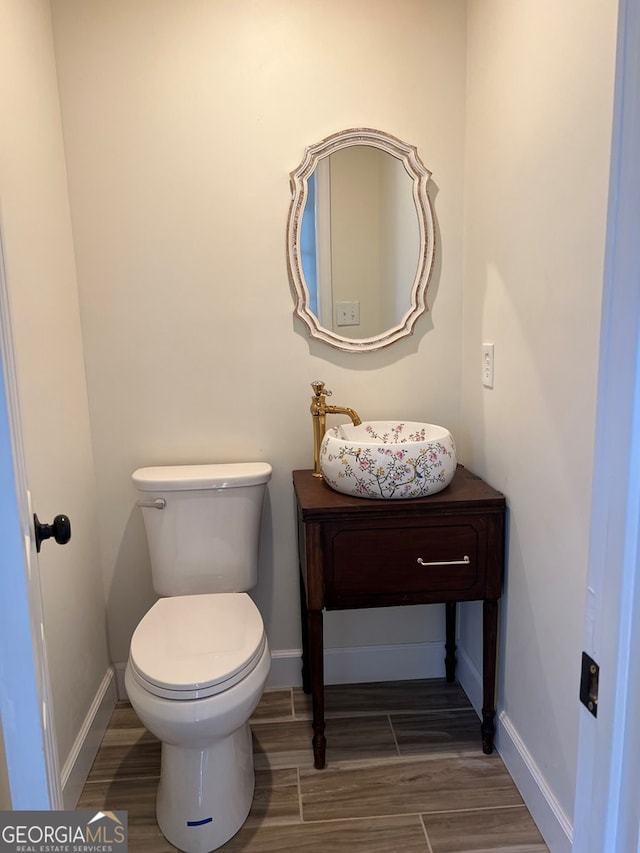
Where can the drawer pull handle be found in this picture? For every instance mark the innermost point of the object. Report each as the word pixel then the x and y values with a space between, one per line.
pixel 462 562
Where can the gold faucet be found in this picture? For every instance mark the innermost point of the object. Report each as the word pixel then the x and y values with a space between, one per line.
pixel 319 412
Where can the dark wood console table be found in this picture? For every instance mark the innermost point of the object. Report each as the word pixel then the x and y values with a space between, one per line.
pixel 356 552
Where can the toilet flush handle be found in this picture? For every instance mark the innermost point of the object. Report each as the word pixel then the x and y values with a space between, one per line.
pixel 159 503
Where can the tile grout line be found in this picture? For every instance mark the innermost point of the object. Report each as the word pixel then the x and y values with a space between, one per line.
pixel 108 780
pixel 356 818
pixel 347 819
pixel 354 762
pixel 510 807
pixel 426 834
pixel 393 733
pixel 299 794
pixel 344 714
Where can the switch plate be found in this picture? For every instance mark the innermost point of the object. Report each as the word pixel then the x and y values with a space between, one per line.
pixel 487 365
pixel 348 313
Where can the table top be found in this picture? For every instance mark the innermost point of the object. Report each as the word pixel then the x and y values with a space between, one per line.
pixel 317 500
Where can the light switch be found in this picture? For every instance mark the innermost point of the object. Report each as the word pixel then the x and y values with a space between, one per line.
pixel 348 313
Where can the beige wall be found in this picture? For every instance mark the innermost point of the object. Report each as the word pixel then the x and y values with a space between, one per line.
pixel 182 122
pixel 38 250
pixel 539 115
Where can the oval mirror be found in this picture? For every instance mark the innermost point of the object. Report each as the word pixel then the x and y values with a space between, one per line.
pixel 360 239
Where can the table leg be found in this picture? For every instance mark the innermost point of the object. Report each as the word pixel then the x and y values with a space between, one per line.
pixel 489 652
pixel 316 660
pixel 450 642
pixel 304 624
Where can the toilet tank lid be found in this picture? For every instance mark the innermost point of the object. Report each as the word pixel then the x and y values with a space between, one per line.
pixel 228 475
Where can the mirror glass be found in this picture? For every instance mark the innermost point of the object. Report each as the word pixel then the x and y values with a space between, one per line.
pixel 360 239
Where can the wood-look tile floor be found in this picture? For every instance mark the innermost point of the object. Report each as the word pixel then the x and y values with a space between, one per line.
pixel 405 774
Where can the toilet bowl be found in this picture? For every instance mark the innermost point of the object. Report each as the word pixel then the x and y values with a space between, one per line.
pixel 197 667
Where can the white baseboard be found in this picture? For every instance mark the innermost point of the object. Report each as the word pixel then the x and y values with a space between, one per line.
pixel 470 679
pixel 78 764
pixel 358 664
pixel 398 662
pixel 286 668
pixel 551 820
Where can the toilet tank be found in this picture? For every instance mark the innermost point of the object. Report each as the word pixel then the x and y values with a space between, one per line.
pixel 203 525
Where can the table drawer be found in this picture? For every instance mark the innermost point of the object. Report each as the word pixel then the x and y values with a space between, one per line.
pixel 382 565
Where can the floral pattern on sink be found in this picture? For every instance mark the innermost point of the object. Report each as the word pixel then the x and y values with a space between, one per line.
pixel 394 435
pixel 391 461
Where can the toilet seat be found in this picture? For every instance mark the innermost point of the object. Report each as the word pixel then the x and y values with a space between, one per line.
pixel 194 646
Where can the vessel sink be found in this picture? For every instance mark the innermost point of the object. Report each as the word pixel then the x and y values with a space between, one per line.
pixel 388 459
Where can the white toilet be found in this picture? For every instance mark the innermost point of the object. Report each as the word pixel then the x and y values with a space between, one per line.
pixel 199 659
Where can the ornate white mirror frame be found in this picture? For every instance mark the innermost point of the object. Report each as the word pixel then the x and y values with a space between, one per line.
pixel 426 231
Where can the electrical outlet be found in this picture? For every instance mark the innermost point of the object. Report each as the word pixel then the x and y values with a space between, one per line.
pixel 487 365
pixel 348 313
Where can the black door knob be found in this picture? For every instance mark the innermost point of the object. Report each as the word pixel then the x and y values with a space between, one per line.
pixel 60 530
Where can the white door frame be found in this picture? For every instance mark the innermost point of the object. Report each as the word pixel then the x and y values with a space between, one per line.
pixel 324 271
pixel 25 701
pixel 606 816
